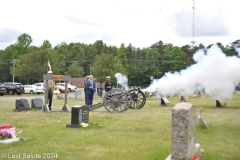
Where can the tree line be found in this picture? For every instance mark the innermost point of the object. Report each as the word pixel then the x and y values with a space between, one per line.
pixel 26 63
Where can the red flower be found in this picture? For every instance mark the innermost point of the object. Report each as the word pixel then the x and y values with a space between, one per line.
pixel 194 158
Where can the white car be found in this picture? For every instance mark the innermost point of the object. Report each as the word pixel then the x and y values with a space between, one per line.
pixel 39 87
pixel 30 89
pixel 70 87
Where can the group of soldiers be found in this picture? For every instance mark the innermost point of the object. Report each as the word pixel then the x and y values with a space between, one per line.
pixel 90 89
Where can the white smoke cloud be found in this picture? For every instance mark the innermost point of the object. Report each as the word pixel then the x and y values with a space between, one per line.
pixel 122 80
pixel 217 73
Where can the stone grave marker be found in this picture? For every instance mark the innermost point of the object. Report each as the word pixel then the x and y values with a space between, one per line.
pixel 36 103
pixel 77 95
pixel 21 105
pixel 183 144
pixel 164 101
pixel 218 103
pixel 80 114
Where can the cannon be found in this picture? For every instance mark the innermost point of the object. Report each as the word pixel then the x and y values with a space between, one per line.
pixel 119 100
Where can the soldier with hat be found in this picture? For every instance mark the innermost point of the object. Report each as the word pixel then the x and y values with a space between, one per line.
pixel 51 86
pixel 107 84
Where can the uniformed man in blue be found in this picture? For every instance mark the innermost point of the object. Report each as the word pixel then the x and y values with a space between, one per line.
pixel 91 89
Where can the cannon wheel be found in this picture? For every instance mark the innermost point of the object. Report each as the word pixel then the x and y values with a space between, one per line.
pixel 138 99
pixel 116 100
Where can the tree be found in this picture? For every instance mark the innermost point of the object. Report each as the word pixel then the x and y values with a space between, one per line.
pixel 23 42
pixel 76 53
pixel 74 70
pixel 32 66
pixel 152 64
pixel 174 58
pixel 122 57
pixel 106 65
pixel 46 45
pixel 63 49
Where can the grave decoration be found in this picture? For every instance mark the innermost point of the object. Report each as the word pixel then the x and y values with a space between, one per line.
pixel 8 134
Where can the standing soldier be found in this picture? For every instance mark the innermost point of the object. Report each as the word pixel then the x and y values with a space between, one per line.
pixel 107 84
pixel 85 82
pixel 51 86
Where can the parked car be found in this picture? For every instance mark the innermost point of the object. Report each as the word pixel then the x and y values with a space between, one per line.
pixel 61 89
pixel 14 87
pixel 3 89
pixel 70 87
pixel 39 87
pixel 31 89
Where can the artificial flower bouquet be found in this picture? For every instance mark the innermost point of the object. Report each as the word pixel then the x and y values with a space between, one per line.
pixel 8 134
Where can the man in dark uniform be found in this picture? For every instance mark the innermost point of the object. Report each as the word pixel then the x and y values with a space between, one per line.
pixel 107 84
pixel 85 89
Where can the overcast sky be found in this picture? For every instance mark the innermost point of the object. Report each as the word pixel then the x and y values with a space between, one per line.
pixel 139 22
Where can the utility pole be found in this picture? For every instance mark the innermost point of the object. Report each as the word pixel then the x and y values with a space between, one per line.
pixel 193 42
pixel 14 62
pixel 90 69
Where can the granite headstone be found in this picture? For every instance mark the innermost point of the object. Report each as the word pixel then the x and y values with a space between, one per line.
pixel 183 144
pixel 21 105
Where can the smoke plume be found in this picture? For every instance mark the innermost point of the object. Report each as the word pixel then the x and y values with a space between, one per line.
pixel 122 80
pixel 214 71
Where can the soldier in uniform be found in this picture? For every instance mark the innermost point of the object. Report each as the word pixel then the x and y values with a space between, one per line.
pixel 107 84
pixel 85 83
pixel 51 86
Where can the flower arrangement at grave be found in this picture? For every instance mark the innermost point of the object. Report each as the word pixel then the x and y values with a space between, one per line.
pixel 9 135
pixel 84 125
pixel 194 158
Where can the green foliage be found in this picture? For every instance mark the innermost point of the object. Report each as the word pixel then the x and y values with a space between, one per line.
pixel 63 49
pixel 34 65
pixel 174 58
pixel 74 70
pixel 23 42
pixel 46 45
pixel 136 63
pixel 122 57
pixel 106 65
pixel 76 52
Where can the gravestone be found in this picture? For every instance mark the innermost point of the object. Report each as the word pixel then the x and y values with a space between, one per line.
pixel 183 144
pixel 80 114
pixel 21 105
pixel 164 101
pixel 183 99
pixel 218 104
pixel 36 103
pixel 77 95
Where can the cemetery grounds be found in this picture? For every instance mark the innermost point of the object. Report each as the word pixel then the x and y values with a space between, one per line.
pixel 143 134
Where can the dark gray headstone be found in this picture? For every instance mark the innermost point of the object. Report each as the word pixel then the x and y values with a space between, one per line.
pixel 21 105
pixel 218 104
pixel 36 103
pixel 164 101
pixel 80 114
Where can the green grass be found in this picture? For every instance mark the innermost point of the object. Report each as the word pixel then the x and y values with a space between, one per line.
pixel 143 134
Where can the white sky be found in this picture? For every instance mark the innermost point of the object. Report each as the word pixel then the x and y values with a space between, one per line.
pixel 139 22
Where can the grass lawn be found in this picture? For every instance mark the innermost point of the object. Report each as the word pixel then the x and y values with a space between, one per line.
pixel 143 134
